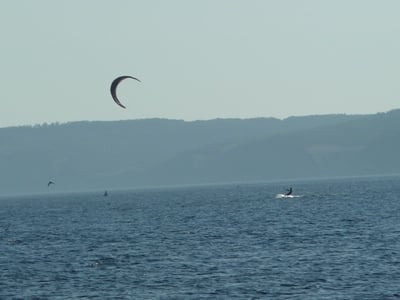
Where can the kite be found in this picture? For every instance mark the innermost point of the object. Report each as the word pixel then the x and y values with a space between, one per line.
pixel 114 85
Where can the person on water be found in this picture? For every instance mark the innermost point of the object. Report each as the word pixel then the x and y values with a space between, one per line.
pixel 289 191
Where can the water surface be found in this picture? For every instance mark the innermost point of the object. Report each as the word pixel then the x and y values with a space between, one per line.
pixel 340 240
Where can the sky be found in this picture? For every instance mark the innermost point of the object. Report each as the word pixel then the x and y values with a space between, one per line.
pixel 197 60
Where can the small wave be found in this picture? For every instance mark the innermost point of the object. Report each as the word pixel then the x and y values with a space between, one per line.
pixel 104 261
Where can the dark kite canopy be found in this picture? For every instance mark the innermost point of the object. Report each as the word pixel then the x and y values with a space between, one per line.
pixel 114 85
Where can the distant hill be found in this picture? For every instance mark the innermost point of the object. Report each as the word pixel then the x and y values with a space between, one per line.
pixel 152 152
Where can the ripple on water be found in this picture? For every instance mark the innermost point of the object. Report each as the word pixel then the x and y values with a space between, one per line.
pixel 229 242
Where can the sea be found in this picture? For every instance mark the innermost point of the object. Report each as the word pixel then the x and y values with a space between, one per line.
pixel 338 239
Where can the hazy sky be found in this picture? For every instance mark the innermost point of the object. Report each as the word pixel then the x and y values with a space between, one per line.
pixel 197 59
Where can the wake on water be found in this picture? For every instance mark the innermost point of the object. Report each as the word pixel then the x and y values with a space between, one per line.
pixel 279 196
